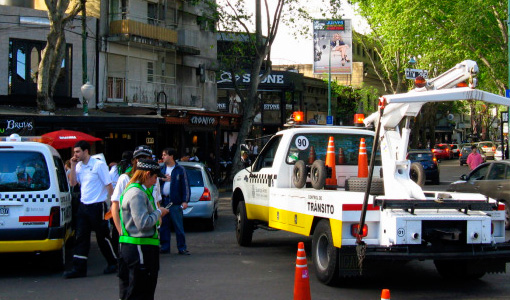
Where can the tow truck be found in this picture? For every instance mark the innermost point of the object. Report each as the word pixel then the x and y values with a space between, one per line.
pixel 356 223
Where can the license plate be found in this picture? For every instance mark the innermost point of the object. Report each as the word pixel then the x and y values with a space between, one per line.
pixel 4 211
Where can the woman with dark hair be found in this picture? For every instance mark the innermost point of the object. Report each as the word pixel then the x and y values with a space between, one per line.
pixel 122 167
pixel 139 242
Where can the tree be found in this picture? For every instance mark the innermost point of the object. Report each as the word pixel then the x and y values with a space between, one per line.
pixel 440 34
pixel 233 16
pixel 54 52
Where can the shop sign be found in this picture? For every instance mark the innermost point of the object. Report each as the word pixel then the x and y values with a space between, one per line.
pixel 271 106
pixel 222 106
pixel 21 126
pixel 149 140
pixel 202 120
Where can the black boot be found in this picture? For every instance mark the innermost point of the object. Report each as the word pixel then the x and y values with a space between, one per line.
pixel 79 269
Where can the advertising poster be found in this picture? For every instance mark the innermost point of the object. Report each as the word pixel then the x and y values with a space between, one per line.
pixel 332 38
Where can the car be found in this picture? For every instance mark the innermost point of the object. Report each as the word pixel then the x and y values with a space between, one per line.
pixel 428 161
pixel 488 148
pixel 204 199
pixel 35 201
pixel 455 150
pixel 491 179
pixel 442 151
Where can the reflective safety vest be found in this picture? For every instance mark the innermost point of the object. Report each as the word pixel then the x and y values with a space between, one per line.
pixel 125 238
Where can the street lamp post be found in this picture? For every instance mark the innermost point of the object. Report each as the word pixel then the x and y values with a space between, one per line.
pixel 85 89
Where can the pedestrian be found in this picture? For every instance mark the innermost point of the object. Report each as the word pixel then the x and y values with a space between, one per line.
pixel 139 243
pixel 141 152
pixel 122 167
pixel 245 160
pixel 474 158
pixel 175 190
pixel 96 187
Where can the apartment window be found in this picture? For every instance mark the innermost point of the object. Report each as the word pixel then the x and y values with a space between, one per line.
pixel 150 71
pixel 152 13
pixel 115 88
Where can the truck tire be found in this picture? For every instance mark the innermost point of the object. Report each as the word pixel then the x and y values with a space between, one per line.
pixel 244 227
pixel 460 269
pixel 359 184
pixel 299 174
pixel 324 254
pixel 318 174
pixel 417 174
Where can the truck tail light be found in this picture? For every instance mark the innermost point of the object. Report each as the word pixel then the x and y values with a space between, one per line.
pixel 355 230
pixel 493 149
pixel 206 195
pixel 54 217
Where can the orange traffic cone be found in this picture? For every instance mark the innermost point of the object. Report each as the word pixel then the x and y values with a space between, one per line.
pixel 341 159
pixel 330 162
pixel 385 295
pixel 312 156
pixel 301 277
pixel 362 159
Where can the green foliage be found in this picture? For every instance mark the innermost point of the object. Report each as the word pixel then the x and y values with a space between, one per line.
pixel 352 100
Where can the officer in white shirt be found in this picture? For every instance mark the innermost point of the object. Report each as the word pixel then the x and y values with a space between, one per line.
pixel 96 188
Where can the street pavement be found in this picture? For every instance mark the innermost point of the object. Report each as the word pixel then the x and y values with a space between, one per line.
pixel 220 269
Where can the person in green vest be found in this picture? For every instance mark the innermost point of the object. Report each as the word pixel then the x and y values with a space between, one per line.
pixel 139 242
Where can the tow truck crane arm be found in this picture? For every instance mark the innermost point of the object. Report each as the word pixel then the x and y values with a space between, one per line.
pixel 397 183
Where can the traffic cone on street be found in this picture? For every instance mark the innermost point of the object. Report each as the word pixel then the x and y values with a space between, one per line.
pixel 362 159
pixel 385 295
pixel 341 158
pixel 330 162
pixel 301 277
pixel 312 156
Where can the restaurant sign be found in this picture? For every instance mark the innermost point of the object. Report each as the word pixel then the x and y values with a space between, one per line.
pixel 21 126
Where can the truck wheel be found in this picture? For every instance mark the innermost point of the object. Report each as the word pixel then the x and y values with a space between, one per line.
pixel 324 254
pixel 299 174
pixel 359 184
pixel 244 227
pixel 460 269
pixel 318 174
pixel 417 174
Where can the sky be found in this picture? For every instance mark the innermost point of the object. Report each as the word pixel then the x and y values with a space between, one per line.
pixel 288 50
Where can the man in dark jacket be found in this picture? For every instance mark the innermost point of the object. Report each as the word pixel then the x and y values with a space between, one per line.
pixel 175 190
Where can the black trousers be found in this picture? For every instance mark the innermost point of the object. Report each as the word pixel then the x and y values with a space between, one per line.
pixel 90 217
pixel 138 271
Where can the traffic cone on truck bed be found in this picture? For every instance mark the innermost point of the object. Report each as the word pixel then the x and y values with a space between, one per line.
pixel 301 277
pixel 362 159
pixel 330 162
pixel 385 294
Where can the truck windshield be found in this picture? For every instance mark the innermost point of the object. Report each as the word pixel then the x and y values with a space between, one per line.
pixel 23 171
pixel 309 147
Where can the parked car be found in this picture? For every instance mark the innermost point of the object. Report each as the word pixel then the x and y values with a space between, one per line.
pixel 488 148
pixel 491 179
pixel 429 162
pixel 455 150
pixel 442 151
pixel 204 199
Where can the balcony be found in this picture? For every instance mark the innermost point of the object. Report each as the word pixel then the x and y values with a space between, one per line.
pixel 134 28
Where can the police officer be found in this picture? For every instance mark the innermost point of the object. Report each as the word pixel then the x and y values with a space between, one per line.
pixel 139 243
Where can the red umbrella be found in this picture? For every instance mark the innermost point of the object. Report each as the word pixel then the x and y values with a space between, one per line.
pixel 61 139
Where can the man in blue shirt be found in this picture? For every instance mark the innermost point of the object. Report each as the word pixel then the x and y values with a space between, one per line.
pixel 175 190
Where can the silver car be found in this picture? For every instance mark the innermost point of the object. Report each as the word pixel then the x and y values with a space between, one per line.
pixel 488 148
pixel 204 199
pixel 491 179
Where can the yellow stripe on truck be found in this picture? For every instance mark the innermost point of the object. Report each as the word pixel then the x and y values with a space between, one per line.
pixel 290 221
pixel 336 232
pixel 257 212
pixel 31 246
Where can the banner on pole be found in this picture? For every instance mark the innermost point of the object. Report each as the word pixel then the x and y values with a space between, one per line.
pixel 332 39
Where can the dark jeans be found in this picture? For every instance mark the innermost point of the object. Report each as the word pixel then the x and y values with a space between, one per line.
pixel 175 218
pixel 138 271
pixel 91 218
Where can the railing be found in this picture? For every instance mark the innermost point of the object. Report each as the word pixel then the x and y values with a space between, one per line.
pixel 131 27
